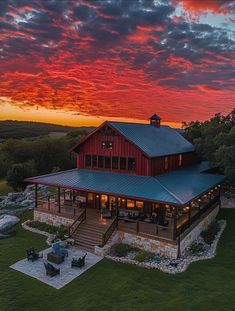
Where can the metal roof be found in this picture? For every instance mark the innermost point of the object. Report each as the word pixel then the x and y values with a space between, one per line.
pixel 154 141
pixel 177 187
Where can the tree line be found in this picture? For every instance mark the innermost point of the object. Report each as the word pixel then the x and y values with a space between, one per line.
pixel 22 158
pixel 215 141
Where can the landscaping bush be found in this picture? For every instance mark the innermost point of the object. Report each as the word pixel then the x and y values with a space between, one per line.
pixel 196 248
pixel 210 234
pixel 141 256
pixel 121 249
pixel 58 231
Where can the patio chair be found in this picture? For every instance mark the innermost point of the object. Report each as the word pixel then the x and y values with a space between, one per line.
pixel 50 269
pixel 80 262
pixel 58 249
pixel 32 254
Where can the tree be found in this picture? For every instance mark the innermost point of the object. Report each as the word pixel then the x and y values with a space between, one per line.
pixel 214 140
pixel 17 174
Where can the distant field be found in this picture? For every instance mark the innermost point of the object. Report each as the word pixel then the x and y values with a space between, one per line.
pixel 4 187
pixel 23 129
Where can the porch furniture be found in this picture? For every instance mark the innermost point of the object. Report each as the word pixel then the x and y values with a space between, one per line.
pixel 58 249
pixel 51 270
pixel 55 258
pixel 32 254
pixel 80 262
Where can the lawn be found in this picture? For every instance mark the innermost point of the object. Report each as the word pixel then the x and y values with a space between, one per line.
pixel 4 187
pixel 206 285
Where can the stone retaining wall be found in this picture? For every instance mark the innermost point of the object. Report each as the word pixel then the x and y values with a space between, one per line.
pixel 163 248
pixel 51 219
pixel 202 225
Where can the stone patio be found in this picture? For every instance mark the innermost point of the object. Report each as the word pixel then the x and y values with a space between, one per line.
pixel 37 270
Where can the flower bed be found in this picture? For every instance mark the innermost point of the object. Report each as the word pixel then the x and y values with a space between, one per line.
pixel 203 248
pixel 52 233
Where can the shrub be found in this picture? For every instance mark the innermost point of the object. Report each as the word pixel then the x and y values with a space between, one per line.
pixel 196 248
pixel 141 256
pixel 121 249
pixel 58 231
pixel 210 234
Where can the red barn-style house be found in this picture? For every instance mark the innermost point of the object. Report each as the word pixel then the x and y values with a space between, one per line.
pixel 140 183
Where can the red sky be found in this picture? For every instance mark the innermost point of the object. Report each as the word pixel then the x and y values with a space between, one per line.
pixel 70 62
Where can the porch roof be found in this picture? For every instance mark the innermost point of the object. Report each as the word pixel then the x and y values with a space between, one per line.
pixel 178 187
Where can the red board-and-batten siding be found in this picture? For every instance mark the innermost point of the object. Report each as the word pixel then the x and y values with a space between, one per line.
pixel 124 148
pixel 121 148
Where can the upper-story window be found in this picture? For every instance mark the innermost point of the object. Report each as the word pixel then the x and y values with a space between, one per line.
pixel 180 159
pixel 107 144
pixel 131 164
pixel 166 163
pixel 88 160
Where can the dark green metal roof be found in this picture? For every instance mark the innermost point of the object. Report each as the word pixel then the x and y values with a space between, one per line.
pixel 177 187
pixel 154 141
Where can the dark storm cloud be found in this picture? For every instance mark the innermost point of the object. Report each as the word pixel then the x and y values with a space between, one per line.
pixel 172 54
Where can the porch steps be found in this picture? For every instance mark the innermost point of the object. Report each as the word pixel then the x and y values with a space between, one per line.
pixel 89 234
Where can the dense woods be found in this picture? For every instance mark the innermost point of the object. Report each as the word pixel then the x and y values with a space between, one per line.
pixel 22 158
pixel 215 141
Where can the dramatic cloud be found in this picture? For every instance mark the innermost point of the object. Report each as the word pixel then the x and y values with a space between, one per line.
pixel 118 58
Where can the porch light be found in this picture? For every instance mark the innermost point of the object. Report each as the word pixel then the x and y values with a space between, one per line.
pixel 187 208
pixel 219 186
pixel 97 196
pixel 199 200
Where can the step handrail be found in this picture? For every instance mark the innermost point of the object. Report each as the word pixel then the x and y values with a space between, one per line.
pixel 77 222
pixel 109 231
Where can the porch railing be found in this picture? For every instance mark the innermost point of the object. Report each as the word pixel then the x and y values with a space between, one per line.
pixel 73 227
pixel 109 231
pixel 206 209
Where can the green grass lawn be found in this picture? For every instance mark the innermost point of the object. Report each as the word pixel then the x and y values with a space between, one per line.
pixel 4 187
pixel 206 285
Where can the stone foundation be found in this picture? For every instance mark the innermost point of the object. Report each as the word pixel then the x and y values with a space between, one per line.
pixel 159 247
pixel 201 226
pixel 52 219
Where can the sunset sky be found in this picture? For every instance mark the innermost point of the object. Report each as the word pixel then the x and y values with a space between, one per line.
pixel 80 62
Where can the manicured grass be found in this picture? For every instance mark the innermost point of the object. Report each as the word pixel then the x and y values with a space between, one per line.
pixel 4 187
pixel 206 285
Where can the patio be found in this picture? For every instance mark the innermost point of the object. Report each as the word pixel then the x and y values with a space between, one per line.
pixel 67 274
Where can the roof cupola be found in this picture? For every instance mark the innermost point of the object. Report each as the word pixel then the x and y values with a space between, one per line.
pixel 155 120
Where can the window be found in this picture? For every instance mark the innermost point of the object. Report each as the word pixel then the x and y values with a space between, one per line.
pixel 166 163
pixel 107 144
pixel 139 204
pixel 130 203
pixel 180 159
pixel 94 160
pixel 107 162
pixel 100 162
pixel 122 163
pixel 88 160
pixel 131 164
pixel 115 163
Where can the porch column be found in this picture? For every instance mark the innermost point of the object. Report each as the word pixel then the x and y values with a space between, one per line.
pixel 174 223
pixel 36 196
pixel 189 214
pixel 59 199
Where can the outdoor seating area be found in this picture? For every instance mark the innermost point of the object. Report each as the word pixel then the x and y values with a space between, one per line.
pixel 57 265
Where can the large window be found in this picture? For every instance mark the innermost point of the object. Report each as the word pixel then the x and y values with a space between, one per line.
pixel 166 163
pixel 180 159
pixel 107 162
pixel 107 144
pixel 115 163
pixel 94 160
pixel 100 161
pixel 122 163
pixel 88 160
pixel 131 164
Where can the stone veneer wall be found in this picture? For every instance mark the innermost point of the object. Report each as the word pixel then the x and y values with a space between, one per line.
pixel 194 234
pixel 163 248
pixel 154 246
pixel 52 219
